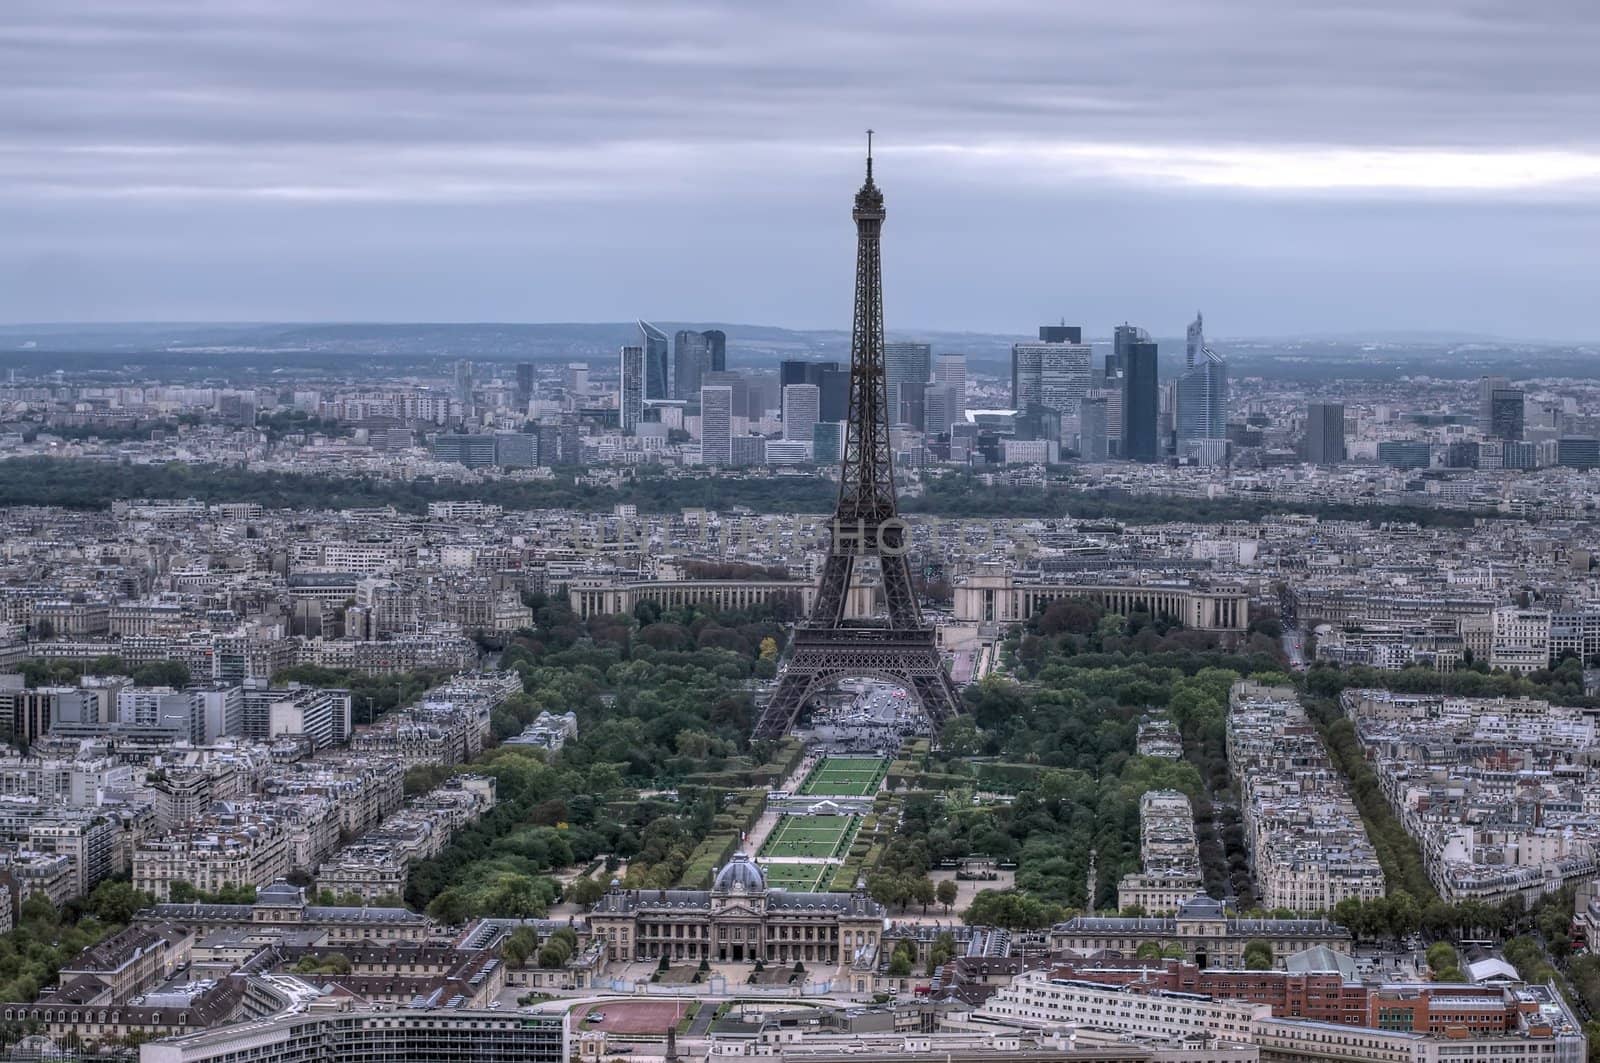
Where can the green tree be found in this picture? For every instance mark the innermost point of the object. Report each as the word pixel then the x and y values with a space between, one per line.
pixel 585 891
pixel 450 908
pixel 947 891
pixel 521 944
pixel 923 892
pixel 115 901
pixel 1258 955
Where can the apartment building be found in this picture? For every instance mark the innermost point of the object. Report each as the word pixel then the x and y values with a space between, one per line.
pixel 1309 847
pixel 1168 852
pixel 234 847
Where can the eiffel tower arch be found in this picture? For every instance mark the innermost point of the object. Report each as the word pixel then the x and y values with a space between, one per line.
pixel 866 523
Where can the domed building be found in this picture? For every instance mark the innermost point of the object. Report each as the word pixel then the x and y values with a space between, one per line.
pixel 738 920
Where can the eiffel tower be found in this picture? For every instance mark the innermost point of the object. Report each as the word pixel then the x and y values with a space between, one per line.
pixel 866 524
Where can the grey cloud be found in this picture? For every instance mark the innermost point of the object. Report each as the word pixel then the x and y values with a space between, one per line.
pixel 467 158
pixel 374 72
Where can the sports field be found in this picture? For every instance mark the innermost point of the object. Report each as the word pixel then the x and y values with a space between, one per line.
pixel 816 837
pixel 845 777
pixel 799 878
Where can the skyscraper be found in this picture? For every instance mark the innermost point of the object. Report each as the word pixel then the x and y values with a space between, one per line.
pixel 913 404
pixel 827 442
pixel 797 371
pixel 905 363
pixel 695 354
pixel 716 425
pixel 1487 386
pixel 657 367
pixel 948 396
pixel 740 385
pixel 1325 433
pixel 801 406
pixel 1141 399
pixel 1054 372
pixel 1506 412
pixel 1064 376
pixel 1121 336
pixel 1027 359
pixel 716 350
pixel 630 399
pixel 524 392
pixel 1092 430
pixel 464 386
pixel 577 378
pixel 1202 396
pixel 834 384
pixel 832 381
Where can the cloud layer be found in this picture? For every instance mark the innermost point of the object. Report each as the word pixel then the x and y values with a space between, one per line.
pixel 123 119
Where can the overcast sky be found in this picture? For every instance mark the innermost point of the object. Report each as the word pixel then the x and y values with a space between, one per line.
pixel 1287 165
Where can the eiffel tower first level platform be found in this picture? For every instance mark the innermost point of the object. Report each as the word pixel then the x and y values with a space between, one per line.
pixel 822 657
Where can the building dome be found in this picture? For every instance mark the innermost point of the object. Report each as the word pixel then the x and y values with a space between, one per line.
pixel 740 873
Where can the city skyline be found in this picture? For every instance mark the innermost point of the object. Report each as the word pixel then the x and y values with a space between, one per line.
pixel 677 690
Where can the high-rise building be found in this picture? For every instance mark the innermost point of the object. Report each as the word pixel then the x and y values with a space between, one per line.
pixel 951 370
pixel 549 448
pixel 950 384
pixel 1506 411
pixel 474 450
pixel 913 409
pixel 1405 453
pixel 802 404
pixel 1065 376
pixel 1325 433
pixel 1027 360
pixel 577 378
pixel 657 365
pixel 1578 452
pixel 801 371
pixel 1141 399
pixel 1487 386
pixel 1121 337
pixel 909 363
pixel 1116 361
pixel 1055 372
pixel 1092 429
pixel 464 386
pixel 1062 333
pixel 827 442
pixel 716 424
pixel 835 387
pixel 747 449
pixel 524 393
pixel 516 450
pixel 1524 455
pixel 695 354
pixel 571 444
pixel 1202 395
pixel 744 396
pixel 942 406
pixel 631 397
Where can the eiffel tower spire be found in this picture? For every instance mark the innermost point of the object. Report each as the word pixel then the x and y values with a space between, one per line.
pixel 866 524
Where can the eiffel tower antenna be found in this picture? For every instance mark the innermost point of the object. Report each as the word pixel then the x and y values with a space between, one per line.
pixel 829 645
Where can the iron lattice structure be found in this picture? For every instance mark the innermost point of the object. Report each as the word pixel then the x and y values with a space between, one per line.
pixel 866 524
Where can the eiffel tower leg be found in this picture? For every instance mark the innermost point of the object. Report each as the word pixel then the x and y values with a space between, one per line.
pixel 786 703
pixel 898 592
pixel 908 659
pixel 940 700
